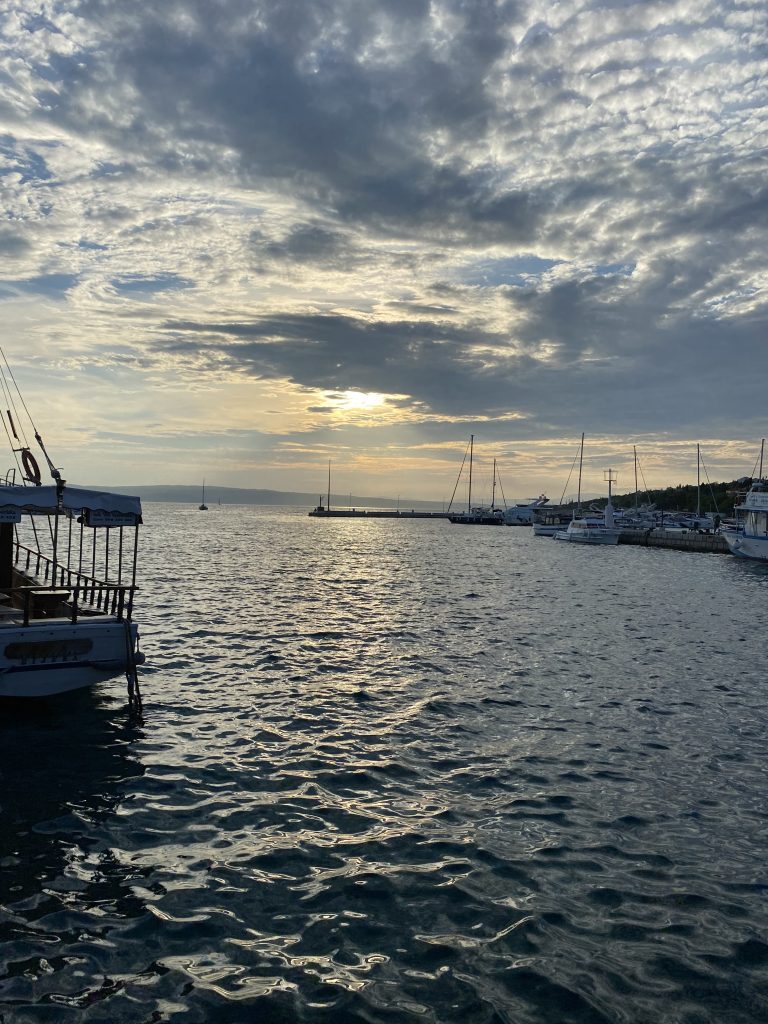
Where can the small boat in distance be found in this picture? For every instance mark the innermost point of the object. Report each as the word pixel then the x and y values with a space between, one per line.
pixel 68 562
pixel 202 506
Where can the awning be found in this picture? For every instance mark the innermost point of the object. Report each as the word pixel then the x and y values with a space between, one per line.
pixel 75 499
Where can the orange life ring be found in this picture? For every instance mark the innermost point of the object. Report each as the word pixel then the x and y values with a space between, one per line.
pixel 31 468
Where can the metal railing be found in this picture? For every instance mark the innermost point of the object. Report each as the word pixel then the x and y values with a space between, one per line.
pixel 59 585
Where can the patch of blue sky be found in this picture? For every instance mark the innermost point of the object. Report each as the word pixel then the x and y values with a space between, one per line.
pixel 143 285
pixel 615 269
pixel 514 270
pixel 54 286
pixel 105 168
pixel 29 165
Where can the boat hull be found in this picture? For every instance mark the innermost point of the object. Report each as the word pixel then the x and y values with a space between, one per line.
pixel 479 520
pixel 594 537
pixel 744 546
pixel 45 660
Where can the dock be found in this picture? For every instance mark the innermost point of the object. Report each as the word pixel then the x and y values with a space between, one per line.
pixel 679 540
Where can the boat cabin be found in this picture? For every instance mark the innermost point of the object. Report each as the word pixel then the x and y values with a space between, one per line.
pixel 66 552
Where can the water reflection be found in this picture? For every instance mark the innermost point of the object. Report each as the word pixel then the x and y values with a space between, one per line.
pixel 64 765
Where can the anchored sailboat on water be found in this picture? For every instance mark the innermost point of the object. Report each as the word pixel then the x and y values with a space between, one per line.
pixel 477 515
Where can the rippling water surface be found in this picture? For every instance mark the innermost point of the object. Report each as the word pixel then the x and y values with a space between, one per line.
pixel 399 771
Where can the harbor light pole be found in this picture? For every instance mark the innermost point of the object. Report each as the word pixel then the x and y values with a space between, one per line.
pixel 611 476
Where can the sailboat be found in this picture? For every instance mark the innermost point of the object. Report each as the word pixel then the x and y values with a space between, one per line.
pixel 202 506
pixel 592 529
pixel 478 515
pixel 320 509
pixel 698 521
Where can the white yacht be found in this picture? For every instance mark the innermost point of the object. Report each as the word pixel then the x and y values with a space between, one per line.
pixel 522 514
pixel 750 538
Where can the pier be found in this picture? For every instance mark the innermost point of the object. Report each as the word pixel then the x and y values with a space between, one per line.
pixel 679 540
pixel 375 513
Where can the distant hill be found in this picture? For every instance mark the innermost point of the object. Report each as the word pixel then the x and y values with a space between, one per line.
pixel 256 496
pixel 720 497
pixel 716 497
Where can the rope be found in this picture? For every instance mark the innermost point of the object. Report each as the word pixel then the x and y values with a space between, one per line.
pixel 501 488
pixel 21 399
pixel 711 492
pixel 455 486
pixel 562 496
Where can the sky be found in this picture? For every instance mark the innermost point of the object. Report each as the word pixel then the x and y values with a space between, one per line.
pixel 240 239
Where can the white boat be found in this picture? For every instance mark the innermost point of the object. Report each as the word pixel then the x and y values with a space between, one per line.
pixel 750 537
pixel 522 514
pixel 592 529
pixel 698 520
pixel 68 561
pixel 549 521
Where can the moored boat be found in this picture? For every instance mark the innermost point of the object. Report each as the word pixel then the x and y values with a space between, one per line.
pixel 66 592
pixel 549 521
pixel 523 513
pixel 589 530
pixel 68 563
pixel 750 538
pixel 477 515
pixel 593 529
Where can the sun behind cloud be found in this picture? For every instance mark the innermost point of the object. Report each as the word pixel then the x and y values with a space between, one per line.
pixel 359 401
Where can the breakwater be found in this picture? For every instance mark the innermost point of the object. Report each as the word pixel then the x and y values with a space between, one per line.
pixel 679 540
pixel 375 513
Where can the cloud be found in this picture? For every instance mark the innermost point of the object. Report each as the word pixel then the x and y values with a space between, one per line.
pixel 554 213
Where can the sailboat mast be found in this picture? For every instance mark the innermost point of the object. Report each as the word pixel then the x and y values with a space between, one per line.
pixel 471 449
pixel 634 449
pixel 581 460
pixel 493 487
pixel 762 449
pixel 328 506
pixel 698 480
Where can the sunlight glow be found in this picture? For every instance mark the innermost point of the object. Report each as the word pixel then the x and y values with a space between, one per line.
pixel 358 401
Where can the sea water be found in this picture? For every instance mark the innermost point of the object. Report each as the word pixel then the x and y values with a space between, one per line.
pixel 399 771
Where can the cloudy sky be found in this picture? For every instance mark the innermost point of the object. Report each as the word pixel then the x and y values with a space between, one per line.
pixel 242 237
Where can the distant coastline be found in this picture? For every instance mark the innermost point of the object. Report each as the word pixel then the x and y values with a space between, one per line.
pixel 714 496
pixel 258 496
